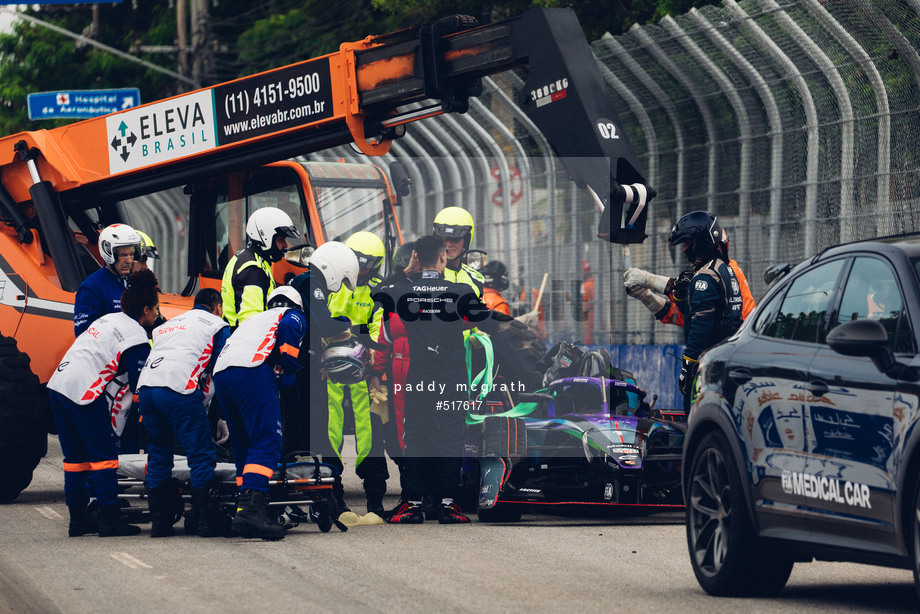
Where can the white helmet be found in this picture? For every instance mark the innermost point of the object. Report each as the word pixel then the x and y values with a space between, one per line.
pixel 118 235
pixel 346 363
pixel 264 224
pixel 337 263
pixel 284 296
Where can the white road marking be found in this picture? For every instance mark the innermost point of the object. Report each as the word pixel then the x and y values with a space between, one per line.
pixel 126 559
pixel 48 513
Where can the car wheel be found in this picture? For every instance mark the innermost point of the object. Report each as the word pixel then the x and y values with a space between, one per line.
pixel 24 411
pixel 724 550
pixel 916 537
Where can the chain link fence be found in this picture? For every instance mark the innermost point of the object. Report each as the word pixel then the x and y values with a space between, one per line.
pixel 795 122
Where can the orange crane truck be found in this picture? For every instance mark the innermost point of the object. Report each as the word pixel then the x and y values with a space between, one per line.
pixel 230 147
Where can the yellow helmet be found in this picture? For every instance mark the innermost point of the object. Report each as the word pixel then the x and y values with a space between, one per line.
pixel 148 247
pixel 368 248
pixel 454 223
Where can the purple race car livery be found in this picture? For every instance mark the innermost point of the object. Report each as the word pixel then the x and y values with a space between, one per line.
pixel 581 440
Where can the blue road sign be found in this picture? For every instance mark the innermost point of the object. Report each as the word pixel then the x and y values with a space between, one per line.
pixel 81 103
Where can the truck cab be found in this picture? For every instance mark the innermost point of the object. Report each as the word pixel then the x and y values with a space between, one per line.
pixel 219 148
pixel 326 200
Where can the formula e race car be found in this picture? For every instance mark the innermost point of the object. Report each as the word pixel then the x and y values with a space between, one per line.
pixel 583 439
pixel 300 491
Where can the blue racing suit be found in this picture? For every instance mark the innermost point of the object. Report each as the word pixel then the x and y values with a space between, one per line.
pixel 88 441
pixel 167 411
pixel 248 396
pixel 99 294
pixel 713 312
pixel 714 305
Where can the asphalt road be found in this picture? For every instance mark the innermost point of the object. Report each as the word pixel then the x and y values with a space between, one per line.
pixel 545 563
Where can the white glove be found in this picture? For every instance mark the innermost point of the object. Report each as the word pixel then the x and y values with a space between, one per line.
pixel 530 319
pixel 637 277
pixel 222 434
pixel 653 302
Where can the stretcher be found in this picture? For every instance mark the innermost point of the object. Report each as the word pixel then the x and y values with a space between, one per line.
pixel 300 490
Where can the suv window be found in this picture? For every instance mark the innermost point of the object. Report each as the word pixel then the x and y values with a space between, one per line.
pixel 803 313
pixel 766 312
pixel 872 293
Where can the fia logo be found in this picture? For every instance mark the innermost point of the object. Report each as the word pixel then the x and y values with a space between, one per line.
pixel 787 482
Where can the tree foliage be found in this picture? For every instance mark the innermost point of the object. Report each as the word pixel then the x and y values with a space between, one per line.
pixel 308 29
pixel 35 59
pixel 596 17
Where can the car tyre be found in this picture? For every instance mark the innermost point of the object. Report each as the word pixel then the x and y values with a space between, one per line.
pixel 24 411
pixel 916 534
pixel 726 554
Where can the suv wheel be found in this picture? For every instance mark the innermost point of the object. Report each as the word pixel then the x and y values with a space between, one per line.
pixel 723 547
pixel 915 525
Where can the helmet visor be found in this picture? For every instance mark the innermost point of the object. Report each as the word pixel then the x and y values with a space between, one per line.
pixel 288 232
pixel 366 261
pixel 451 231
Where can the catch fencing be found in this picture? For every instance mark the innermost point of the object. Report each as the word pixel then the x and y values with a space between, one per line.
pixel 797 123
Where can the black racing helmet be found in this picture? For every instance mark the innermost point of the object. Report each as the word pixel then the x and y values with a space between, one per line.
pixel 403 255
pixel 703 233
pixel 495 274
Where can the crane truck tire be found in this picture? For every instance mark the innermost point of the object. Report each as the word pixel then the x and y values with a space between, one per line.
pixel 24 408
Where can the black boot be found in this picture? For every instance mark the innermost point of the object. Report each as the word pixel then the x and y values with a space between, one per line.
pixel 375 505
pixel 338 497
pixel 252 518
pixel 80 521
pixel 212 521
pixel 164 502
pixel 191 518
pixel 112 523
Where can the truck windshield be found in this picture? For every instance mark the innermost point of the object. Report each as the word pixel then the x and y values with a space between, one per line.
pixel 267 187
pixel 344 210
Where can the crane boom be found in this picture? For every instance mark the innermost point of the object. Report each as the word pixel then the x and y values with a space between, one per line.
pixel 355 95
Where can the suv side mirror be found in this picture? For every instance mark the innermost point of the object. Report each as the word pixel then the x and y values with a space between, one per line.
pixel 863 338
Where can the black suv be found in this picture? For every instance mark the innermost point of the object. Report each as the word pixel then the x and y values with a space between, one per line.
pixel 802 441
